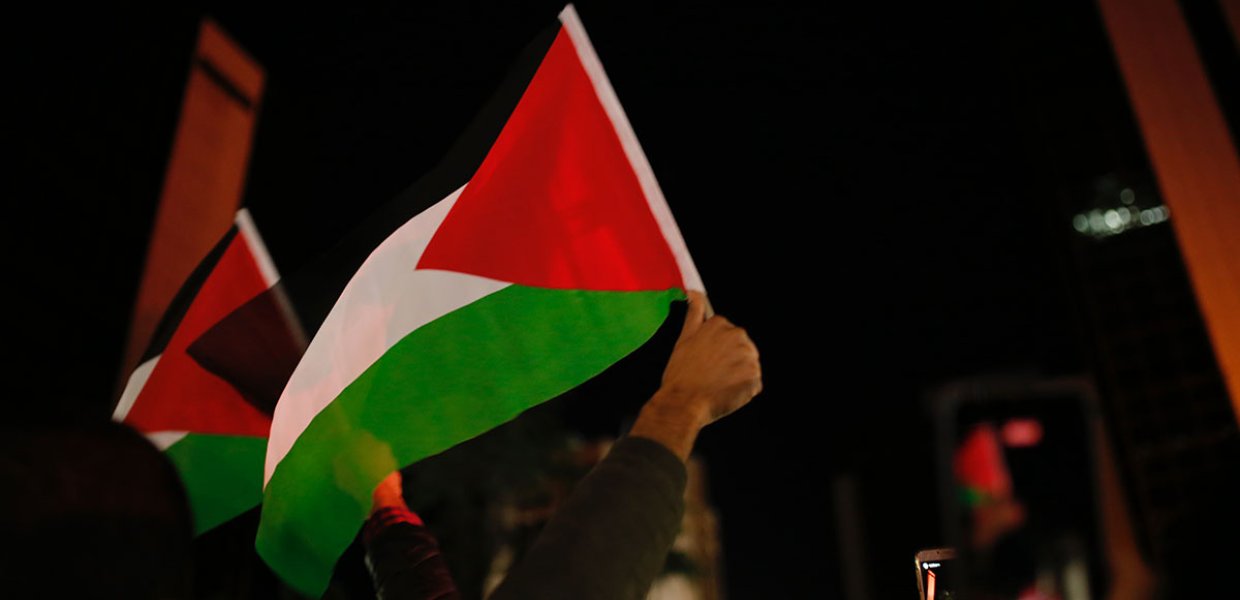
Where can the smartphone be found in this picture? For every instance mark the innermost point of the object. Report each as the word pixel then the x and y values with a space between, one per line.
pixel 936 574
pixel 1019 488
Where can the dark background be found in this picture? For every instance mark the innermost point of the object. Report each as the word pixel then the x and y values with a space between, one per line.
pixel 880 193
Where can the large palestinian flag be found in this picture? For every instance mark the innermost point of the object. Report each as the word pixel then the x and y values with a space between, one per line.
pixel 538 254
pixel 214 433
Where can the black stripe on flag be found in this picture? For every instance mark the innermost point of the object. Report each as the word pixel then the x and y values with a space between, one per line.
pixel 185 297
pixel 314 289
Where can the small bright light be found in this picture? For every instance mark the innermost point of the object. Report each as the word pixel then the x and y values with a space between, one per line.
pixel 1022 432
pixel 925 565
pixel 1096 222
pixel 1125 215
pixel 1127 196
pixel 1080 223
pixel 1147 217
pixel 1112 219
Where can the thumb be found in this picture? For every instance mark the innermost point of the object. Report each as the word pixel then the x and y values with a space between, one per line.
pixel 697 313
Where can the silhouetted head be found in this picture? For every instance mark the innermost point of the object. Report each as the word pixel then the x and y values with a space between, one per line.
pixel 90 510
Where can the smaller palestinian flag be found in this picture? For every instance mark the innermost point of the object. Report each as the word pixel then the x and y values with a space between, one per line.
pixel 214 433
pixel 537 255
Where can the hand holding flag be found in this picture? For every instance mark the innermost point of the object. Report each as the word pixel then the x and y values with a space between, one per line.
pixel 713 371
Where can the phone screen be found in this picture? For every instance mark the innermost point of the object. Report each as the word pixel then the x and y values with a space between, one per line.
pixel 1024 496
pixel 936 570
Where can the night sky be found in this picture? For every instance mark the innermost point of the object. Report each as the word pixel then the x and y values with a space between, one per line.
pixel 880 194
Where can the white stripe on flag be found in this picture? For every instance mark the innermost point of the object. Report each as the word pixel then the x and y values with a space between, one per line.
pixel 384 301
pixel 267 268
pixel 254 241
pixel 137 381
pixel 165 439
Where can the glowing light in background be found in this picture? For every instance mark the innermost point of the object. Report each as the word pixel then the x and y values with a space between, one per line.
pixel 1106 222
pixel 1022 433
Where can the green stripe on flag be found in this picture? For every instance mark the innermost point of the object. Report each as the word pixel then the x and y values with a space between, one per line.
pixel 222 474
pixel 446 382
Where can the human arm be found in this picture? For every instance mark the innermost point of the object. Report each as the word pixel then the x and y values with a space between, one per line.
pixel 402 556
pixel 713 371
pixel 611 537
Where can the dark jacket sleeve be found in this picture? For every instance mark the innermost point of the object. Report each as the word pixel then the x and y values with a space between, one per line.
pixel 404 559
pixel 611 537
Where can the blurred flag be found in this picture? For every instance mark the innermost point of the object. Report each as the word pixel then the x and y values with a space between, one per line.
pixel 214 434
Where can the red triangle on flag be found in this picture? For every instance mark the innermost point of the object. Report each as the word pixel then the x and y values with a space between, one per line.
pixel 556 202
pixel 180 395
